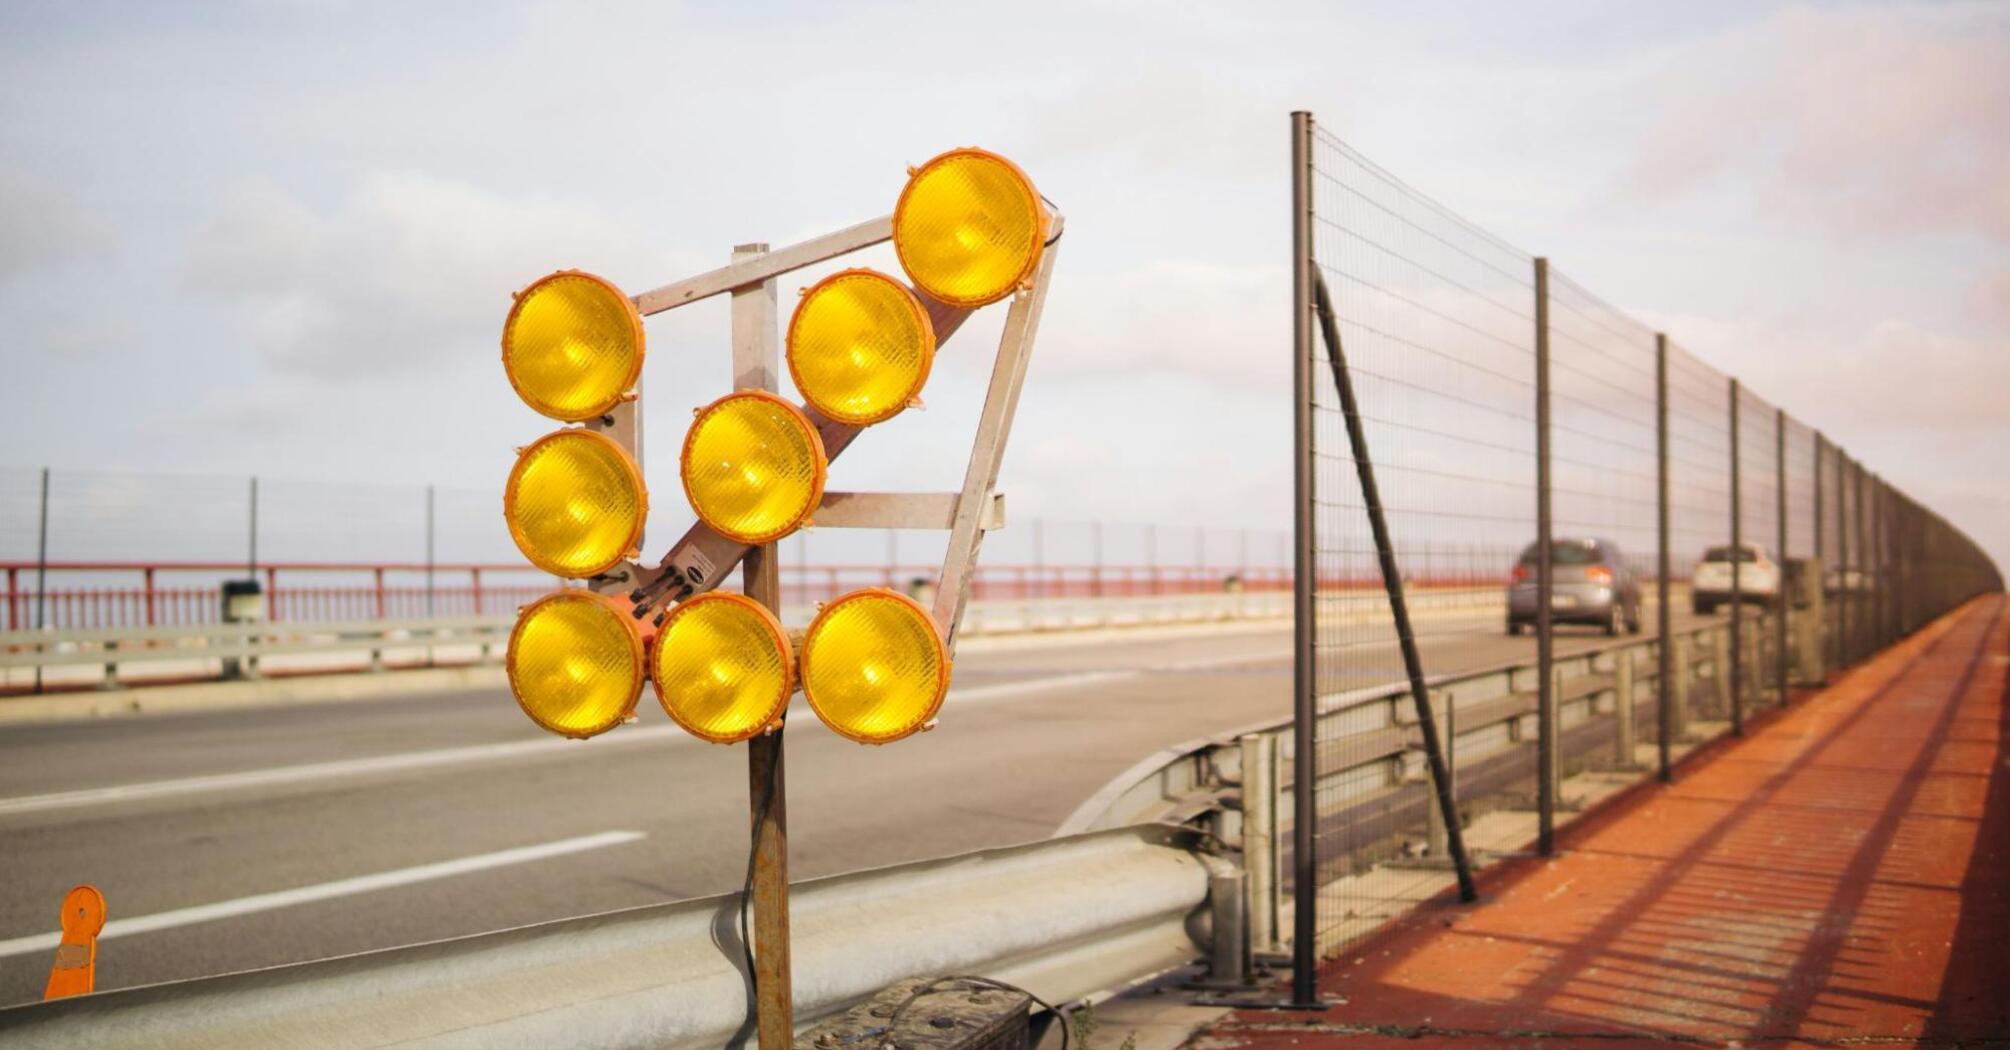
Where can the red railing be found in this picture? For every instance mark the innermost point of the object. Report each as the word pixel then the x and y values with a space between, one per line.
pixel 141 594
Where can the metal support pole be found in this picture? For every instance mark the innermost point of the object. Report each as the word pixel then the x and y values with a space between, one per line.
pixel 1548 771
pixel 755 367
pixel 1663 680
pixel 1844 563
pixel 1737 584
pixel 1259 836
pixel 251 563
pixel 42 573
pixel 1304 558
pixel 1857 618
pixel 1392 583
pixel 1783 600
pixel 1622 706
pixel 1823 560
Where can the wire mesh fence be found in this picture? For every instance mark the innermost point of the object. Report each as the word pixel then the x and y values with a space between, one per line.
pixel 1499 400
pixel 1434 317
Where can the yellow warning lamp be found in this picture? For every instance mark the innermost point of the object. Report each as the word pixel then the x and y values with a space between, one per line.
pixel 969 227
pixel 575 503
pixel 860 346
pixel 572 345
pixel 874 666
pixel 575 662
pixel 753 467
pixel 723 667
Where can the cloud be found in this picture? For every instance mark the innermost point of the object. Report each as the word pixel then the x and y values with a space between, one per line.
pixel 42 224
pixel 1884 120
pixel 404 271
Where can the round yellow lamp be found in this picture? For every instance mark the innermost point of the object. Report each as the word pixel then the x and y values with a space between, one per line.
pixel 723 667
pixel 753 467
pixel 575 663
pixel 860 346
pixel 575 503
pixel 572 345
pixel 969 227
pixel 874 666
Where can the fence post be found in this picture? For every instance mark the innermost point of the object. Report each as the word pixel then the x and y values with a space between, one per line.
pixel 1663 682
pixel 1822 563
pixel 42 574
pixel 251 553
pixel 1304 725
pixel 1857 617
pixel 1547 771
pixel 1737 563
pixel 1678 692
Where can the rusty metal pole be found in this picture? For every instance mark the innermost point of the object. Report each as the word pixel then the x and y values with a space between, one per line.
pixel 755 364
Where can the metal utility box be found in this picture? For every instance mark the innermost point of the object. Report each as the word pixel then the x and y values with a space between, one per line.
pixel 929 1013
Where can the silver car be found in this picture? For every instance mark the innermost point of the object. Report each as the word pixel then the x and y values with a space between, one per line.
pixel 1590 583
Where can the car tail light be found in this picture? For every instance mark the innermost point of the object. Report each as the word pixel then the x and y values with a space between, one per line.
pixel 1520 574
pixel 1599 574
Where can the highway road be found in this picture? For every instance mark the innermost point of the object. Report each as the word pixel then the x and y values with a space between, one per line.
pixel 238 839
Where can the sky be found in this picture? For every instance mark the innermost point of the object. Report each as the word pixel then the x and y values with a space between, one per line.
pixel 280 237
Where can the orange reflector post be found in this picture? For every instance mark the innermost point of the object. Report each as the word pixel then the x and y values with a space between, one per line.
pixel 75 971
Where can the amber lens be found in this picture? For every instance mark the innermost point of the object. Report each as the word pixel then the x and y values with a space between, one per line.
pixel 572 345
pixel 874 666
pixel 722 667
pixel 575 663
pixel 968 227
pixel 574 503
pixel 753 467
pixel 860 346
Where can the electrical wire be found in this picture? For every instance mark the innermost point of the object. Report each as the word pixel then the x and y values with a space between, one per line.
pixel 761 807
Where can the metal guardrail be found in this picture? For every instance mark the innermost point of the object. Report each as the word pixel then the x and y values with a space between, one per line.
pixel 1603 692
pixel 1064 918
pixel 248 643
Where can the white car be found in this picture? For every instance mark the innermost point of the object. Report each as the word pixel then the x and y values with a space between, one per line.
pixel 1710 581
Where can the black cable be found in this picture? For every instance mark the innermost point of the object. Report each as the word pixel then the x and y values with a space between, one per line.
pixel 761 807
pixel 971 982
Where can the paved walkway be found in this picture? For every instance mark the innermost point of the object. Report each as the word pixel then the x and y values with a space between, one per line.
pixel 1839 877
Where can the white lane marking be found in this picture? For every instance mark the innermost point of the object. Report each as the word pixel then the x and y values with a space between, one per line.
pixel 168 920
pixel 347 767
pixel 1003 690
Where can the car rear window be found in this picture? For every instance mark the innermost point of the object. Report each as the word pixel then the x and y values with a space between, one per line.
pixel 1566 552
pixel 1725 554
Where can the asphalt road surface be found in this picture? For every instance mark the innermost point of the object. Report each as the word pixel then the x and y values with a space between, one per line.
pixel 241 839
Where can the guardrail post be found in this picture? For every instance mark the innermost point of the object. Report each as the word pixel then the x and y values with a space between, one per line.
pixel 1720 664
pixel 1228 956
pixel 1259 837
pixel 1681 664
pixel 1622 700
pixel 1437 835
pixel 111 666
